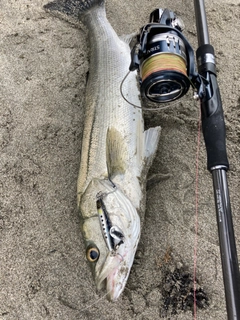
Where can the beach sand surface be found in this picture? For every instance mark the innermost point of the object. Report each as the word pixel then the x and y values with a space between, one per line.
pixel 43 270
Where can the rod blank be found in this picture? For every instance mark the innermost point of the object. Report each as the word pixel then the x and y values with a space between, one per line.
pixel 227 244
pixel 201 23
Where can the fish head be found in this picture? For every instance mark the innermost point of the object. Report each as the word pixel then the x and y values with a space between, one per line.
pixel 110 244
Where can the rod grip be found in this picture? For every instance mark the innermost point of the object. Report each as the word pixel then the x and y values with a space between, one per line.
pixel 213 127
pixel 213 124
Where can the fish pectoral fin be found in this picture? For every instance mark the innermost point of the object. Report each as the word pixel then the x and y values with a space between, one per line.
pixel 152 136
pixel 116 153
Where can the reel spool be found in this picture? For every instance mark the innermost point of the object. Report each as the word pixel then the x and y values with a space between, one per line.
pixel 164 58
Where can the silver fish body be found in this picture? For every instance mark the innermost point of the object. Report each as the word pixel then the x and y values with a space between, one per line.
pixel 116 152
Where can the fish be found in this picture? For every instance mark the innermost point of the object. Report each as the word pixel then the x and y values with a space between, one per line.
pixel 116 151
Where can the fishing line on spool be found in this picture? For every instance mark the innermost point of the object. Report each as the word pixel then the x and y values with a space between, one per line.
pixel 140 107
pixel 163 62
pixel 153 66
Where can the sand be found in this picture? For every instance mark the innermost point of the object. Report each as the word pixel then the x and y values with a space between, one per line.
pixel 43 270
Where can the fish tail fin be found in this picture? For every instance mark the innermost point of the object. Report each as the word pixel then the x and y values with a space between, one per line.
pixel 73 8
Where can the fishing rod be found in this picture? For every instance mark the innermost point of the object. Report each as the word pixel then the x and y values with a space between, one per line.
pixel 166 64
pixel 213 128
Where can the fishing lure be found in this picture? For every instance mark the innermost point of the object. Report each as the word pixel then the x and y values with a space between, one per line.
pixel 112 235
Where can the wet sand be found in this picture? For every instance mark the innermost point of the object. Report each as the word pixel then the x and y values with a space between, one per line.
pixel 43 271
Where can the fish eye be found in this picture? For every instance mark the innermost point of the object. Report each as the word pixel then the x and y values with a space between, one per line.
pixel 92 254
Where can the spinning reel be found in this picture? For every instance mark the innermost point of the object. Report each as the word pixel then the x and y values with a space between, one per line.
pixel 164 58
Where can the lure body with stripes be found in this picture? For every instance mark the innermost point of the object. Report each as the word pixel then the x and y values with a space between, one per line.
pixel 116 151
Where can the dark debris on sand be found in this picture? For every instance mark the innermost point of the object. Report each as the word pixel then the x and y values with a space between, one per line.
pixel 178 292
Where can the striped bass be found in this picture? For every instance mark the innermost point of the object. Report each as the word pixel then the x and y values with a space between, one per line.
pixel 116 151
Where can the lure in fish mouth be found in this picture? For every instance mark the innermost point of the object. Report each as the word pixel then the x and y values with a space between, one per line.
pixel 116 151
pixel 111 235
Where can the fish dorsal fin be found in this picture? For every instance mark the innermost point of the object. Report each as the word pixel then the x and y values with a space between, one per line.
pixel 116 150
pixel 151 136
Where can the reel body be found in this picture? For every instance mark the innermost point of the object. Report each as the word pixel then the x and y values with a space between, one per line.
pixel 164 58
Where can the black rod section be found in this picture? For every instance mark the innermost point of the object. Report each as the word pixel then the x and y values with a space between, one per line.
pixel 213 127
pixel 227 244
pixel 201 23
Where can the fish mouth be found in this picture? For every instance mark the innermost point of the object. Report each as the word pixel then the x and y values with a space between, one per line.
pixel 113 276
pixel 121 232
